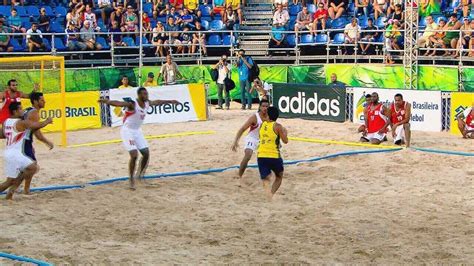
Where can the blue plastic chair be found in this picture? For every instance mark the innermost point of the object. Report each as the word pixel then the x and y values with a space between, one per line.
pixel 56 27
pixel 5 11
pixel 291 39
pixel 33 11
pixel 21 11
pixel 47 44
pixel 439 18
pixel 103 43
pixel 338 38
pixel 422 23
pixel 451 7
pixel 205 11
pixel 363 22
pixel 351 9
pixel 129 41
pixel 227 40
pixel 321 39
pixel 311 8
pixel 307 39
pixel 148 8
pixel 60 11
pixel 17 47
pixel 59 44
pixel 216 25
pixel 205 24
pixel 339 23
pixel 144 40
pixel 214 39
pixel 380 23
pixel 49 11
pixel 294 10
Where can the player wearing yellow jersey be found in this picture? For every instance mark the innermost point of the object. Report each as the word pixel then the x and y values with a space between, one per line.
pixel 268 154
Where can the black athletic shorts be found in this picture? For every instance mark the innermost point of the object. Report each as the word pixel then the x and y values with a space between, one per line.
pixel 268 165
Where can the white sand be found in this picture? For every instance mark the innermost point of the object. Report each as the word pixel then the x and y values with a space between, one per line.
pixel 401 207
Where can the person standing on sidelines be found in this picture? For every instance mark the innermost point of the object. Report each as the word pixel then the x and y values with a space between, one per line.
pixel 400 114
pixel 268 155
pixel 251 140
pixel 466 126
pixel 169 71
pixel 244 64
pixel 132 136
pixel 376 121
pixel 32 115
pixel 18 166
pixel 9 96
pixel 223 68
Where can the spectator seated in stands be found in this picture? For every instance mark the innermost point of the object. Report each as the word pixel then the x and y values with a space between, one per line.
pixel 303 20
pixel 230 18
pixel 284 3
pixel 172 38
pixel 159 38
pixel 236 7
pixel 117 16
pixel 106 9
pixel 337 8
pixel 34 39
pixel 362 7
pixel 369 36
pixel 392 6
pixel 431 27
pixel 452 33
pixel 5 45
pixel 90 16
pixel 72 36
pixel 199 37
pixel 191 5
pixel 380 8
pixel 116 35
pixel 396 36
pixel 281 16
pixel 14 22
pixel 43 21
pixel 218 7
pixel 157 6
pixel 467 39
pixel 75 16
pixel 464 7
pixel 186 19
pixel 398 14
pixel 186 41
pixel 437 40
pixel 130 19
pixel 278 38
pixel 146 26
pixel 177 4
pixel 320 16
pixel 352 32
pixel 88 36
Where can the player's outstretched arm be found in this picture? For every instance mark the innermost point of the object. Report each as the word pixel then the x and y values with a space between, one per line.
pixel 129 105
pixel 251 121
pixel 161 102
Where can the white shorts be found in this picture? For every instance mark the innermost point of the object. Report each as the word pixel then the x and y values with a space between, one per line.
pixel 15 163
pixel 375 135
pixel 133 139
pixel 251 143
pixel 399 134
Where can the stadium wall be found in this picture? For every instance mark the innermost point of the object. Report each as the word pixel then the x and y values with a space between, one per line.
pixel 368 76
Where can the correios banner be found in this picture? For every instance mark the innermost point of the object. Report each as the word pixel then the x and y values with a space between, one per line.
pixel 426 106
pixel 82 110
pixel 192 107
pixel 310 101
pixel 460 101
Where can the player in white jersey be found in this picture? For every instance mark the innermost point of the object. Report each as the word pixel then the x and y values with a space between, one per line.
pixel 132 135
pixel 18 166
pixel 251 140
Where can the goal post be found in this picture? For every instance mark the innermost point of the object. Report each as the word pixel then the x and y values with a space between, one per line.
pixel 48 74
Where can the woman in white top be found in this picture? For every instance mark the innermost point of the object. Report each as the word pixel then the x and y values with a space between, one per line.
pixel 158 38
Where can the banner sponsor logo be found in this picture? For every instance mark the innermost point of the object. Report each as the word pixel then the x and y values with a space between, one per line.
pixel 425 105
pixel 82 110
pixel 460 101
pixel 192 106
pixel 310 101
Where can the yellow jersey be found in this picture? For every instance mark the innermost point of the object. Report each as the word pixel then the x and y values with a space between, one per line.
pixel 191 4
pixel 123 87
pixel 269 146
pixel 234 3
pixel 150 84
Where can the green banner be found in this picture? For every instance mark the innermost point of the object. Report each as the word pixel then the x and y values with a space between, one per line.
pixel 110 78
pixel 82 79
pixel 468 79
pixel 27 78
pixel 306 74
pixel 438 78
pixel 310 101
pixel 367 75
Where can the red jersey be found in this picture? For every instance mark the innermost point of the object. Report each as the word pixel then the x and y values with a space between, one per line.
pixel 320 13
pixel 470 120
pixel 375 118
pixel 4 112
pixel 398 115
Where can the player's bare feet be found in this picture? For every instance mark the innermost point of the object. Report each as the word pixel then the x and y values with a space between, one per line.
pixel 132 184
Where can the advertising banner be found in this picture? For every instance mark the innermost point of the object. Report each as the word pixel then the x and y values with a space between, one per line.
pixel 192 107
pixel 82 110
pixel 426 106
pixel 460 101
pixel 310 101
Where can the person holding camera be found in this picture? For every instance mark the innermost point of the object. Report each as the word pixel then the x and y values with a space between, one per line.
pixel 223 68
pixel 244 64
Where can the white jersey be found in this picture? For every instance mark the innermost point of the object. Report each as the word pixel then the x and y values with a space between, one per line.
pixel 15 139
pixel 134 119
pixel 254 131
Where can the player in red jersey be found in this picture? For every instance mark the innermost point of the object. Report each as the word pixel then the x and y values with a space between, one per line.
pixel 467 126
pixel 376 121
pixel 11 95
pixel 400 114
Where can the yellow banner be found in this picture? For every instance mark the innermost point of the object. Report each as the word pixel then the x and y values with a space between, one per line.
pixel 82 110
pixel 198 97
pixel 460 101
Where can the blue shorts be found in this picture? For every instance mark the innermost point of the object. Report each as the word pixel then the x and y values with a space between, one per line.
pixel 268 165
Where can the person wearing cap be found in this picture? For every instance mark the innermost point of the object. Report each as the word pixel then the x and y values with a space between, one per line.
pixel 150 81
pixel 130 19
pixel 34 39
pixel 466 37
pixel 72 38
pixel 5 45
pixel 125 83
pixel 223 67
